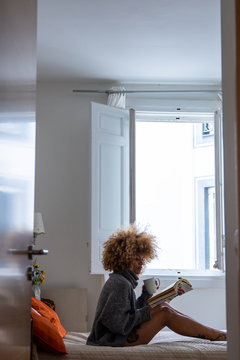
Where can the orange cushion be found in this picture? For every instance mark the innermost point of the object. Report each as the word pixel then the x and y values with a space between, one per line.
pixel 49 314
pixel 46 335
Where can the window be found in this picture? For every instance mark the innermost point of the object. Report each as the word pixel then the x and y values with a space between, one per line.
pixel 177 187
pixel 176 166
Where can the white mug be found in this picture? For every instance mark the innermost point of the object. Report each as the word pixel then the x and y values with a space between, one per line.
pixel 151 284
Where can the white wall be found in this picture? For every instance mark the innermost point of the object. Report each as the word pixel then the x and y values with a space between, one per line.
pixel 62 187
pixel 206 305
pixel 62 195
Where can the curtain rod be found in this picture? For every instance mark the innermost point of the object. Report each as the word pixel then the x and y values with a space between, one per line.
pixel 108 92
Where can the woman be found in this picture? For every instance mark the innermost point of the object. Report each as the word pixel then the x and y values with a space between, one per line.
pixel 123 320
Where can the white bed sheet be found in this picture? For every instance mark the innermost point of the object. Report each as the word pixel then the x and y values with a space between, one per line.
pixel 165 346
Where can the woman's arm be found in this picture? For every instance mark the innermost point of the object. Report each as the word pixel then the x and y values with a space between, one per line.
pixel 142 300
pixel 119 314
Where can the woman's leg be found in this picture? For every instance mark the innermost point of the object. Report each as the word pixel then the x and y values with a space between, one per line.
pixel 164 315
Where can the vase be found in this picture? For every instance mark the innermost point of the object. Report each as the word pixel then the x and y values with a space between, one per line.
pixel 37 291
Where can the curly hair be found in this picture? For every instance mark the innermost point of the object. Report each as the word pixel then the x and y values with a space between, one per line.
pixel 122 247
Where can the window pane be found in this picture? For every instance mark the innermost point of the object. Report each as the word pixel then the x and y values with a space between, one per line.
pixel 171 158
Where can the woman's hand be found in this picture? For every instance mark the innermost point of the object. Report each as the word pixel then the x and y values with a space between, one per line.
pixel 159 307
pixel 155 309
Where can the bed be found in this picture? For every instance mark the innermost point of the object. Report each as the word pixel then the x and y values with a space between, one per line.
pixel 166 345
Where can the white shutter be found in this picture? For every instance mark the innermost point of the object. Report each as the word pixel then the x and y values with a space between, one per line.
pixel 109 176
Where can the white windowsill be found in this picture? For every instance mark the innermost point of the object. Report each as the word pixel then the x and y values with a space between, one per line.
pixel 199 279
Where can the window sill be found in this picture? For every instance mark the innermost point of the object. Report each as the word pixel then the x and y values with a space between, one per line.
pixel 214 279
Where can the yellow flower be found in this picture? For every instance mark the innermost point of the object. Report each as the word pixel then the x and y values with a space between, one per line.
pixel 38 277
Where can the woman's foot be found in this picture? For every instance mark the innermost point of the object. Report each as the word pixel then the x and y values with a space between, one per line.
pixel 222 336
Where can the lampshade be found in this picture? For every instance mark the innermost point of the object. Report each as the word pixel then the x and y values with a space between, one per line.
pixel 38 224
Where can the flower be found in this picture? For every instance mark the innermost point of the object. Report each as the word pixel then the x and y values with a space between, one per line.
pixel 38 277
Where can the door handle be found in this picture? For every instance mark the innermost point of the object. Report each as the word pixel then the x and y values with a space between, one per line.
pixel 30 251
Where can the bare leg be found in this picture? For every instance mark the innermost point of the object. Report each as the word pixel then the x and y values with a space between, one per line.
pixel 164 315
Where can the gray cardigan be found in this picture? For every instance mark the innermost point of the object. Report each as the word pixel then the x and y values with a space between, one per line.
pixel 118 311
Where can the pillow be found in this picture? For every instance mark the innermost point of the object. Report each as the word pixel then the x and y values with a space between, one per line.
pixel 49 314
pixel 46 335
pixel 36 312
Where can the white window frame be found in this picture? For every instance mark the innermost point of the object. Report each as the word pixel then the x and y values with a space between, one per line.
pixel 200 185
pixel 195 116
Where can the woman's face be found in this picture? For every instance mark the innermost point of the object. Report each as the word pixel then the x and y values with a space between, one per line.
pixel 138 263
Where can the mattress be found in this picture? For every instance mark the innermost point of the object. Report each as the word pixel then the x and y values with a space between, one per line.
pixel 166 345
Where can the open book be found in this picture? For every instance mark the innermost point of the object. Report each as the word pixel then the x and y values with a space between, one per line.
pixel 181 286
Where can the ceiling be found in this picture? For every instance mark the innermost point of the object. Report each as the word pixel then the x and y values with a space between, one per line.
pixel 114 41
pixel 129 41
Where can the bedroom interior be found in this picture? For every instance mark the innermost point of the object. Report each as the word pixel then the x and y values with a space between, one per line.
pixel 73 52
